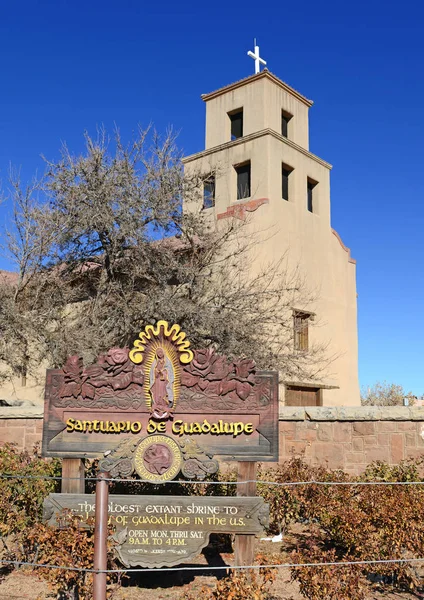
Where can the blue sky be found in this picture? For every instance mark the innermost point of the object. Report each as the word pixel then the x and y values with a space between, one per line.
pixel 67 66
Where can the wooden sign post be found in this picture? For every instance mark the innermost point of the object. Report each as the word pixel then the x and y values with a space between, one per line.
pixel 244 546
pixel 73 476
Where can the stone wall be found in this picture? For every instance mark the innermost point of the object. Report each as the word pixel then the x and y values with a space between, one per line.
pixel 346 438
pixel 21 426
pixel 350 438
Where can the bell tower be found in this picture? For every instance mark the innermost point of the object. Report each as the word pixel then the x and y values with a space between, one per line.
pixel 257 154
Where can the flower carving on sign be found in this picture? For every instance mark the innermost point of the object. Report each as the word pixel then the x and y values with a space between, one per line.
pixel 113 374
pixel 214 374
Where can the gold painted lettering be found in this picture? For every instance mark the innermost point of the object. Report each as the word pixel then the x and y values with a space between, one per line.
pixel 151 427
pixel 70 425
pixel 78 425
pixel 228 427
pixel 177 427
pixel 206 427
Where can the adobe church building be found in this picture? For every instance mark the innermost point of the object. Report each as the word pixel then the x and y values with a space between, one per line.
pixel 257 152
pixel 257 155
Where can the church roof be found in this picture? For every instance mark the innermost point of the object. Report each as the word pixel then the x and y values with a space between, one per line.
pixel 263 74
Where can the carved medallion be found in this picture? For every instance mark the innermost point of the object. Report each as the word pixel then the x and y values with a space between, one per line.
pixel 158 458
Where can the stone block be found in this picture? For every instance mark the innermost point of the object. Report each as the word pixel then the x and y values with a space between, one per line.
pixel 407 426
pixel 352 470
pixel 383 439
pixel 325 432
pixel 321 413
pixel 358 444
pixel 304 434
pixel 373 454
pixel 370 441
pixel 396 413
pixel 359 413
pixel 21 412
pixel 342 432
pixel 291 413
pixel 354 458
pixel 414 452
pixel 31 440
pixel 287 429
pixel 330 454
pixel 13 435
pixel 296 448
pixel 397 447
pixel 411 440
pixel 416 413
pixel 367 428
pixel 387 426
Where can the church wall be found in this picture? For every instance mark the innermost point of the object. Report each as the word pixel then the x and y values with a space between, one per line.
pixel 262 102
pixel 223 162
pixel 324 263
pixel 278 99
pixel 13 392
pixel 250 98
pixel 307 241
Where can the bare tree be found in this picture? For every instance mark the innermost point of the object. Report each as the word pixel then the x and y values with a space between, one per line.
pixel 102 246
pixel 386 394
pixel 24 314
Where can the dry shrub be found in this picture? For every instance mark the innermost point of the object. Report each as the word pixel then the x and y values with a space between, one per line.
pixel 328 583
pixel 71 546
pixel 239 585
pixel 21 500
pixel 351 523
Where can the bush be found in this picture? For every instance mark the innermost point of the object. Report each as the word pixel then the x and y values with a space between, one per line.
pixel 362 523
pixel 239 585
pixel 67 546
pixel 293 503
pixel 21 500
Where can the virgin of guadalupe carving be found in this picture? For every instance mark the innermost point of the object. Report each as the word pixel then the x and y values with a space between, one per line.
pixel 161 385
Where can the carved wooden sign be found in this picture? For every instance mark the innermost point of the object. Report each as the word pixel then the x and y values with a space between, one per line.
pixel 161 407
pixel 164 531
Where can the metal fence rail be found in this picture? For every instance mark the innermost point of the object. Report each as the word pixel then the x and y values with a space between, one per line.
pixel 224 567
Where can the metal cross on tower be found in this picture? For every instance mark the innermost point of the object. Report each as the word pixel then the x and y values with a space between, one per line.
pixel 258 60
